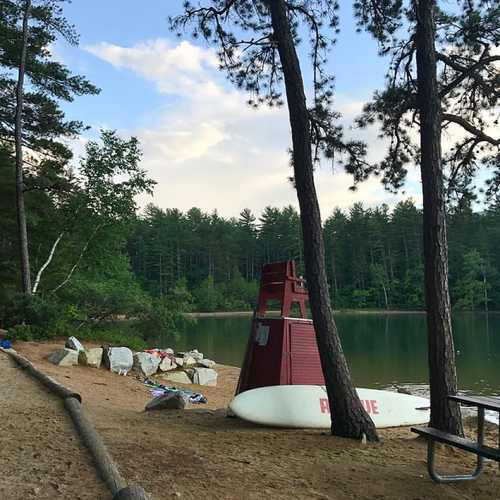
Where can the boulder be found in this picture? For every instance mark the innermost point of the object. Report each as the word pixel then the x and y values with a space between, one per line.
pixel 167 364
pixel 206 363
pixel 177 377
pixel 205 376
pixel 74 343
pixel 169 351
pixel 64 357
pixel 169 401
pixel 189 361
pixel 91 357
pixel 120 360
pixel 198 356
pixel 179 361
pixel 146 364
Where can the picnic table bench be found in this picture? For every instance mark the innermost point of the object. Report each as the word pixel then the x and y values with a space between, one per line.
pixel 477 447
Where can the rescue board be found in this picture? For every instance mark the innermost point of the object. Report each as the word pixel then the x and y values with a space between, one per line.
pixel 306 407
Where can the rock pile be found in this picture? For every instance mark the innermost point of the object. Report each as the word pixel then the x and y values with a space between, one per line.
pixel 177 368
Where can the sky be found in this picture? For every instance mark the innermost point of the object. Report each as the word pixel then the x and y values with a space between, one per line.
pixel 202 143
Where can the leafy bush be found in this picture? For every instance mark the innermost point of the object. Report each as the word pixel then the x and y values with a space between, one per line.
pixel 115 337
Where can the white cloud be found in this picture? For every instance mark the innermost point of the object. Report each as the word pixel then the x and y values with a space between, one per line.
pixel 208 148
pixel 176 69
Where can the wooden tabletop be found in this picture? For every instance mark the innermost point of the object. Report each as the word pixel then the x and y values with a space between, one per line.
pixel 488 402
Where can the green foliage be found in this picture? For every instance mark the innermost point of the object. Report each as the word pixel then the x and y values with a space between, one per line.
pixel 101 295
pixel 208 298
pixel 471 289
pixel 115 336
pixel 466 40
pixel 167 315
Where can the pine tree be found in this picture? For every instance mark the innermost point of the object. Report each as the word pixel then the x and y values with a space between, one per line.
pixel 441 75
pixel 30 116
pixel 263 61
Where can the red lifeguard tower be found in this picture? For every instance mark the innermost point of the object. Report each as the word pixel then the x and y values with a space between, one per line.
pixel 281 350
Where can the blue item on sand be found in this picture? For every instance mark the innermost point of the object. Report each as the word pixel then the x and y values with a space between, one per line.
pixel 6 344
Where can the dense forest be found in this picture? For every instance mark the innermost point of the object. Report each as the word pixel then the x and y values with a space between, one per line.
pixel 374 255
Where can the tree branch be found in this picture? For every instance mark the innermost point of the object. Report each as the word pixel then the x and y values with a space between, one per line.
pixel 470 128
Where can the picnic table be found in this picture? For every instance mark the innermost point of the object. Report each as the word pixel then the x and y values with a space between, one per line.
pixel 474 446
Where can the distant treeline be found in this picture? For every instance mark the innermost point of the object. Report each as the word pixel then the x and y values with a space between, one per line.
pixel 374 255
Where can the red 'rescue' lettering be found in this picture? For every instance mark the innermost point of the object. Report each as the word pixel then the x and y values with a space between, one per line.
pixel 370 405
pixel 323 405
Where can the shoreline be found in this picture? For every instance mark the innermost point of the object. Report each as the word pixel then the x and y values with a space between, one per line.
pixel 229 314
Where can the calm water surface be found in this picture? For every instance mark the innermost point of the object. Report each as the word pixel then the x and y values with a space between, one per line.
pixel 381 349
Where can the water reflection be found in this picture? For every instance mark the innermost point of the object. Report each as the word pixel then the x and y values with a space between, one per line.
pixel 381 349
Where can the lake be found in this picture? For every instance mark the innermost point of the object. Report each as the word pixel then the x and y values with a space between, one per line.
pixel 381 349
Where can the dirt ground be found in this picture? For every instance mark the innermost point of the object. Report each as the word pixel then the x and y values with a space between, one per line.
pixel 200 452
pixel 41 456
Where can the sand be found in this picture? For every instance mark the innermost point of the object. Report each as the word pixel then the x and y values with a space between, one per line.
pixel 200 452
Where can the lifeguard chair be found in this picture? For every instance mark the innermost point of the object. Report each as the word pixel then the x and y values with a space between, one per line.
pixel 281 350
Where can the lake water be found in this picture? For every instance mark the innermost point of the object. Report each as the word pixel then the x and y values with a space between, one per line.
pixel 381 349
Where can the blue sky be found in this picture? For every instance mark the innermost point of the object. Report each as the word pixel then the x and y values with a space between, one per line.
pixel 201 143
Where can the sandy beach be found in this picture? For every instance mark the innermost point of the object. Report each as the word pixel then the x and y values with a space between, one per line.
pixel 199 452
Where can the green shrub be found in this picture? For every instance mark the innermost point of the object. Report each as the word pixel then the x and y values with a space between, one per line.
pixel 115 337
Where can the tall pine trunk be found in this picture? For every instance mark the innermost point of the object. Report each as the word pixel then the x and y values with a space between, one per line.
pixel 18 126
pixel 349 419
pixel 445 415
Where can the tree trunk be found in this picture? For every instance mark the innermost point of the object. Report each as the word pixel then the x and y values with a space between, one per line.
pixel 485 290
pixel 386 299
pixel 445 415
pixel 349 419
pixel 18 126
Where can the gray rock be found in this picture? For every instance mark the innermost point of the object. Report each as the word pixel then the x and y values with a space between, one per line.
pixel 169 401
pixel 91 357
pixel 64 357
pixel 206 363
pixel 167 364
pixel 177 377
pixel 120 360
pixel 146 364
pixel 205 376
pixel 169 351
pixel 74 343
pixel 179 361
